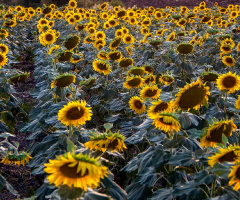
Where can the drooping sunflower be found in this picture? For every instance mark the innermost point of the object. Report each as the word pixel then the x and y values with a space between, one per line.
pixel 75 113
pixel 63 80
pixel 102 55
pixel 3 48
pixel 167 122
pixel 148 69
pixel 16 159
pixel 71 42
pixel 110 141
pixel 159 106
pixel 125 62
pixel 21 77
pixel 152 92
pixel 228 61
pixel 185 48
pixel 229 82
pixel 192 96
pixel 133 82
pixel 115 43
pixel 136 71
pixel 136 104
pixel 80 171
pixel 228 154
pixel 128 39
pixel 171 37
pixel 166 79
pixel 3 59
pixel 209 76
pixel 101 67
pixel 115 55
pixel 235 175
pixel 213 134
pixel 149 79
pixel 64 56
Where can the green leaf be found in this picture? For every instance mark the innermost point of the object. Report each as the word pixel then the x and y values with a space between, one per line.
pixel 93 195
pixel 70 146
pixel 4 183
pixel 224 139
pixel 221 169
pixel 108 126
pixel 162 194
pixel 67 192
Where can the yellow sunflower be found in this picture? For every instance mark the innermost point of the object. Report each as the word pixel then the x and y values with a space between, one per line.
pixel 71 42
pixel 76 58
pixel 128 39
pixel 237 103
pixel 226 48
pixel 213 134
pixel 102 55
pixel 115 55
pixel 166 79
pixel 192 96
pixel 234 175
pixel 228 154
pixel 79 171
pixel 228 60
pixel 159 106
pixel 209 76
pixel 49 38
pixel 152 92
pixel 75 113
pixel 167 122
pixel 136 104
pixel 149 79
pixel 125 62
pixel 16 159
pixel 3 59
pixel 238 46
pixel 115 43
pixel 63 80
pixel 133 82
pixel 101 67
pixel 171 37
pixel 110 141
pixel 3 48
pixel 229 82
pixel 72 4
pixel 136 71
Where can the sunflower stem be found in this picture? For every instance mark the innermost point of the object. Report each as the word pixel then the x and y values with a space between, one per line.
pixel 225 107
pixel 213 188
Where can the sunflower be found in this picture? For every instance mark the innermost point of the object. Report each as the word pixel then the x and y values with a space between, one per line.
pixel 171 37
pixel 115 43
pixel 63 80
pixel 213 134
pixel 159 106
pixel 229 82
pixel 228 41
pixel 128 39
pixel 76 58
pixel 235 177
pixel 101 67
pixel 136 71
pixel 100 35
pixel 72 4
pixel 192 96
pixel 167 122
pixel 182 22
pixel 228 61
pixel 64 56
pixel 119 33
pixel 125 62
pixel 19 77
pixel 3 48
pixel 102 55
pixel 71 42
pixel 136 104
pixel 115 55
pixel 150 92
pixel 158 15
pixel 209 76
pixel 237 103
pixel 149 79
pixel 49 38
pixel 133 82
pixel 166 79
pixel 110 141
pixel 80 171
pixel 3 59
pixel 16 159
pixel 234 14
pixel 185 48
pixel 228 154
pixel 226 48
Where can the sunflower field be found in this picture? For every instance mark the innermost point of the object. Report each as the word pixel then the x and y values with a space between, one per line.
pixel 120 103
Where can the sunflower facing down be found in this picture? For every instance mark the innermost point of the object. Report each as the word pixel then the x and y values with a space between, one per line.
pixel 150 92
pixel 75 113
pixel 229 82
pixel 63 80
pixel 15 159
pixel 167 122
pixel 133 82
pixel 101 67
pixel 136 104
pixel 110 141
pixel 125 62
pixel 166 79
pixel 228 154
pixel 213 134
pixel 80 171
pixel 192 96
pixel 159 106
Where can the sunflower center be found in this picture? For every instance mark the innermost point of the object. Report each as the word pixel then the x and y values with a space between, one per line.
pixel 1 58
pixel 134 82
pixel 71 172
pixel 192 97
pixel 210 77
pixel 226 48
pixel 113 144
pixel 229 82
pixel 102 66
pixel 166 123
pixel 64 81
pixel 75 113
pixel 216 134
pixel 128 39
pixel 150 93
pixel 238 173
pixel 72 4
pixel 49 37
pixel 229 157
pixel 227 129
pixel 138 104
pixel 160 107
pixel 229 60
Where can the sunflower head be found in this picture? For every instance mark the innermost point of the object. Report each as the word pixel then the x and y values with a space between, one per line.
pixel 171 37
pixel 64 56
pixel 79 171
pixel 185 48
pixel 110 141
pixel 158 107
pixel 125 62
pixel 101 67
pixel 71 42
pixel 228 60
pixel 19 77
pixel 133 82
pixel 152 92
pixel 136 71
pixel 3 59
pixel 17 159
pixel 3 48
pixel 75 113
pixel 128 39
pixel 88 82
pixel 209 76
pixel 63 80
pixel 76 58
pixel 167 122
pixel 229 82
pixel 102 55
pixel 166 79
pixel 115 55
pixel 115 43
pixel 192 96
